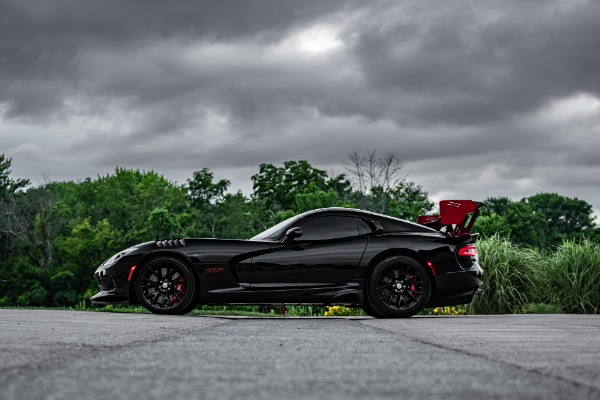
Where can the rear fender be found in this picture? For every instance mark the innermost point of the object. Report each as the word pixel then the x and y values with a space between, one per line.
pixel 399 252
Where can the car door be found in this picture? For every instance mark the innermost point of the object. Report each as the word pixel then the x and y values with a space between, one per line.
pixel 327 254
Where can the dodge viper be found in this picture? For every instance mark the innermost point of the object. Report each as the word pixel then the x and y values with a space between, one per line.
pixel 332 256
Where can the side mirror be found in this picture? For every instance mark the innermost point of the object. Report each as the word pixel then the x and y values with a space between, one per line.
pixel 292 234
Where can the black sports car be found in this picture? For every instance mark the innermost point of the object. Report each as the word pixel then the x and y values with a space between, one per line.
pixel 387 266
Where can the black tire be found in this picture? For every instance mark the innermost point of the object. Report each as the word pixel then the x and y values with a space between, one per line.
pixel 369 310
pixel 189 308
pixel 166 286
pixel 398 287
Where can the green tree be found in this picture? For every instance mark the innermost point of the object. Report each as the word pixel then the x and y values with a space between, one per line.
pixel 543 220
pixel 125 199
pixel 22 283
pixel 81 252
pixel 496 205
pixel 489 225
pixel 9 186
pixel 237 217
pixel 34 221
pixel 203 192
pixel 526 226
pixel 313 198
pixel 562 217
pixel 277 187
pixel 161 224
pixel 408 200
pixel 204 196
pixel 342 186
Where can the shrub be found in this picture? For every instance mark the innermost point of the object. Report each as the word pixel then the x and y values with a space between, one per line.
pixel 572 277
pixel 508 276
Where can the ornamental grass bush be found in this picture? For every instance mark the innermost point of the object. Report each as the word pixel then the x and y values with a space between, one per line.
pixel 571 277
pixel 509 276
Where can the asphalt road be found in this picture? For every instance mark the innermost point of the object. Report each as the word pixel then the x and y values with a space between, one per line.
pixel 86 355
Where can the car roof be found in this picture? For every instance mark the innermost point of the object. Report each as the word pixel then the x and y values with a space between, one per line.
pixel 343 210
pixel 362 213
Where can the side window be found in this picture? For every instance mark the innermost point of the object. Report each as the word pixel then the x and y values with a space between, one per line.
pixel 323 228
pixel 396 226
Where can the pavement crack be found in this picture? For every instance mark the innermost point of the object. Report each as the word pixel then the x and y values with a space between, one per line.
pixel 63 353
pixel 480 356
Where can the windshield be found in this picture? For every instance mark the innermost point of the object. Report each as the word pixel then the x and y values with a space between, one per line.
pixel 276 231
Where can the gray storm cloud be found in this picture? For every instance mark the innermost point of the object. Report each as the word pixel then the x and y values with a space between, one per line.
pixel 482 98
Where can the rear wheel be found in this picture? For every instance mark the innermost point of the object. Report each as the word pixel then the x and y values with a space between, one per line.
pixel 368 308
pixel 398 287
pixel 166 286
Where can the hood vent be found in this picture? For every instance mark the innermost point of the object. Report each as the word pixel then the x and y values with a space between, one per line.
pixel 171 243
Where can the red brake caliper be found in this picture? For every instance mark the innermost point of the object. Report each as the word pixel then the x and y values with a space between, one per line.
pixel 179 289
pixel 412 287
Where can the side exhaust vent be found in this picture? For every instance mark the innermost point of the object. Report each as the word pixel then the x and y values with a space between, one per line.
pixel 171 243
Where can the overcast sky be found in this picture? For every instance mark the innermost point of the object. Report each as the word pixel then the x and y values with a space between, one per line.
pixel 482 98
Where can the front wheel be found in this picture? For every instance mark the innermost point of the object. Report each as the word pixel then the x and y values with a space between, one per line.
pixel 398 287
pixel 166 286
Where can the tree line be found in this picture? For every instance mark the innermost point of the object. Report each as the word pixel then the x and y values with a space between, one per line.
pixel 54 235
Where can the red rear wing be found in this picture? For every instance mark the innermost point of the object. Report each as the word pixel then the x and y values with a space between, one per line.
pixel 457 216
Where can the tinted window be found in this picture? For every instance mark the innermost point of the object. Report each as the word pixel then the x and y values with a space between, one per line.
pixel 393 225
pixel 323 228
pixel 276 231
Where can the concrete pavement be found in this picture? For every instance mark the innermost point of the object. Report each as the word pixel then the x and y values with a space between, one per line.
pixel 87 355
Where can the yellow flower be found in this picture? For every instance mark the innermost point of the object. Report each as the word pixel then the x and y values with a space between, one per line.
pixel 333 311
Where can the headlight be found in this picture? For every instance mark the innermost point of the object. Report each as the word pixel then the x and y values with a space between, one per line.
pixel 116 257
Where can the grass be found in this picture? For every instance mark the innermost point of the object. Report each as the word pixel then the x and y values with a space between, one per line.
pixel 522 280
pixel 508 276
pixel 571 279
pixel 541 308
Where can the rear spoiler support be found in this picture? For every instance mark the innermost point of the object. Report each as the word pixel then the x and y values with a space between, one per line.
pixel 456 217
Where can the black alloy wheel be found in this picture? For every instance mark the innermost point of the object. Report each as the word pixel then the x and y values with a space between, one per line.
pixel 398 287
pixel 166 286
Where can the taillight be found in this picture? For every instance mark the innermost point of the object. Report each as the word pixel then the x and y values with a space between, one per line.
pixel 467 251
